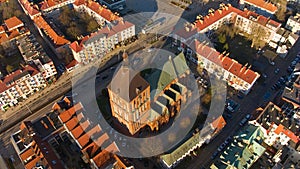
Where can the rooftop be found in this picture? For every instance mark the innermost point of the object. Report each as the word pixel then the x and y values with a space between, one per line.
pixel 263 4
pixel 9 80
pixel 243 151
pixel 227 63
pixel 283 118
pixel 13 23
pixel 132 83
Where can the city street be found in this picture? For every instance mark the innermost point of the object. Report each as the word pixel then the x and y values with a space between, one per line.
pixel 247 106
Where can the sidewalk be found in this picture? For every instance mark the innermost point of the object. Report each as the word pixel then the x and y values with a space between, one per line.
pixel 64 80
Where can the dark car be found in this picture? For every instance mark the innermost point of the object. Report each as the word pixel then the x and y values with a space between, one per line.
pixel 276 71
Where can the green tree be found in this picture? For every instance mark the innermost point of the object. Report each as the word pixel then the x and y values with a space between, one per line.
pixel 9 68
pixel 257 36
pixel 92 26
pixel 222 38
pixel 74 32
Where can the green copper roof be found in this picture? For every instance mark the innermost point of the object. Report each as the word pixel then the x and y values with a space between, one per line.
pixel 243 151
pixel 159 79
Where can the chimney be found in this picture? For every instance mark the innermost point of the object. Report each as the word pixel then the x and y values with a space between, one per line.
pixel 220 11
pixel 187 28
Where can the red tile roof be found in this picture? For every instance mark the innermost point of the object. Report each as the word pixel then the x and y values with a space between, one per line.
pixel 42 24
pixel 187 32
pixel 97 8
pixel 91 149
pixel 49 3
pixel 9 78
pixel 99 141
pixel 105 155
pixel 84 139
pixel 263 4
pixel 217 15
pixel 262 20
pixel 31 9
pixel 13 23
pixel 107 30
pixel 2 29
pixel 27 153
pixel 31 164
pixel 113 148
pixel 71 124
pixel 226 10
pixel 218 124
pixel 72 64
pixel 228 64
pixel 75 46
pixel 101 158
pixel 3 37
pixel 66 115
pixel 287 132
pixel 79 130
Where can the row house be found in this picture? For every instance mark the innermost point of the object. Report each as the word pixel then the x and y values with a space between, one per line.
pixel 97 11
pixel 19 85
pixel 101 42
pixel 93 142
pixel 293 23
pixel 30 9
pixel 46 30
pixel 261 7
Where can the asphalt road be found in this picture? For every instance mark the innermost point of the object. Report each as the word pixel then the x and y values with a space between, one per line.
pixel 247 106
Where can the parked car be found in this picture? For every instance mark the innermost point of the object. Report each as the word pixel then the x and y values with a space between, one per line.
pixel 248 116
pixel 243 121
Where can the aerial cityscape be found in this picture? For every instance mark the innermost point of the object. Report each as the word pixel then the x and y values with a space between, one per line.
pixel 149 84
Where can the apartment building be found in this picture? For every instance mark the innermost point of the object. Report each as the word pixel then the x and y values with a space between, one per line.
pixel 34 54
pixel 49 5
pixel 244 20
pixel 101 14
pixel 293 23
pixel 97 44
pixel 19 85
pixel 238 76
pixel 261 7
pixel 47 31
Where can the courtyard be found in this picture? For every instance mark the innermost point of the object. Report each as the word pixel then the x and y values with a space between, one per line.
pixel 72 24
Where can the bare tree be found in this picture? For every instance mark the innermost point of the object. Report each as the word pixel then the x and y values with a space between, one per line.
pixel 258 35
